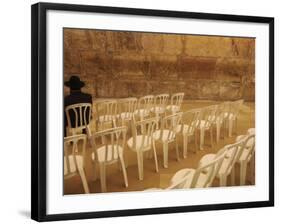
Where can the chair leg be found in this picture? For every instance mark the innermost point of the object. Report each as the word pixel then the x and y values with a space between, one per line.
pixel 252 170
pixel 103 177
pixel 140 164
pixel 218 131
pixel 155 156
pixel 223 180
pixel 243 170
pixel 196 141
pixel 84 180
pixel 211 136
pixel 165 155
pixel 177 150
pixel 230 126
pixel 233 176
pixel 202 133
pixel 185 142
pixel 94 170
pixel 124 171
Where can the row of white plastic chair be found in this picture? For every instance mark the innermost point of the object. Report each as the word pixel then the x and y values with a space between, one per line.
pixel 219 165
pixel 144 135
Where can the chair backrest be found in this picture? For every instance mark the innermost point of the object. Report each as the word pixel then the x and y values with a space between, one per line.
pixel 223 110
pixel 127 107
pixel 176 99
pixel 235 107
pixel 145 102
pixel 233 152
pixel 190 118
pixel 208 114
pixel 170 124
pixel 161 100
pixel 145 129
pixel 106 108
pixel 209 170
pixel 249 145
pixel 111 140
pixel 72 146
pixel 78 117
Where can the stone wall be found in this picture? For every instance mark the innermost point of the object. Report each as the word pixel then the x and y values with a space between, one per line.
pixel 122 64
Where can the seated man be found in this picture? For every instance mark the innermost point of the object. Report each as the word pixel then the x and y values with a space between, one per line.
pixel 75 96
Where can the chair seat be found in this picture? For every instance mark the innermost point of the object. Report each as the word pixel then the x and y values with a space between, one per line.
pixel 158 110
pixel 125 115
pixel 139 138
pixel 167 135
pixel 106 118
pixel 229 115
pixel 184 129
pixel 72 167
pixel 188 173
pixel 173 108
pixel 142 112
pixel 117 152
pixel 204 124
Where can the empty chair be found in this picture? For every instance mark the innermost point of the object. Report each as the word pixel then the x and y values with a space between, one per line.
pixel 78 118
pixel 126 109
pixel 202 177
pixel 142 141
pixel 231 117
pixel 187 128
pixel 108 148
pixel 74 154
pixel 251 131
pixel 246 155
pixel 231 155
pixel 144 105
pixel 106 114
pixel 176 102
pixel 208 118
pixel 167 134
pixel 160 104
pixel 220 119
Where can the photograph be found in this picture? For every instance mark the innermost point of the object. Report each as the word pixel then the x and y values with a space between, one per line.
pixel 154 111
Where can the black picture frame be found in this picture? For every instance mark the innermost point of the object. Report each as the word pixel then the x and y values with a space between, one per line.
pixel 39 122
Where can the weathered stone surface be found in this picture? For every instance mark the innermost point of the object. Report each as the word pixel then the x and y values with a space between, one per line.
pixel 230 90
pixel 122 64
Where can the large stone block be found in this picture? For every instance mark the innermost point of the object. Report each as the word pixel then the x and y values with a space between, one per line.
pixel 230 91
pixel 196 67
pixel 209 89
pixel 163 67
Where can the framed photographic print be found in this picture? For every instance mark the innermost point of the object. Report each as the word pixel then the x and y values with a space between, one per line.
pixel 140 111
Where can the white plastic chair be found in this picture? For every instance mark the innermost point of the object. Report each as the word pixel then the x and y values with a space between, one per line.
pixel 142 141
pixel 187 128
pixel 167 134
pixel 126 109
pixel 220 120
pixel 78 118
pixel 160 104
pixel 231 155
pixel 144 105
pixel 208 119
pixel 176 102
pixel 202 177
pixel 246 155
pixel 111 150
pixel 73 161
pixel 106 114
pixel 231 117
